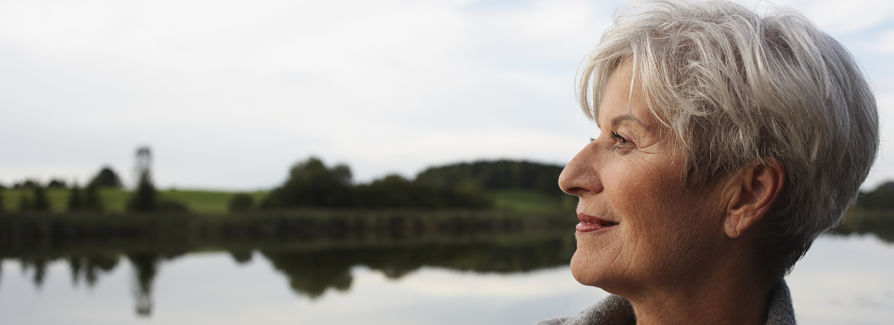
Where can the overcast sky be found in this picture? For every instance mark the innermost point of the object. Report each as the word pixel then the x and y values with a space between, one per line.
pixel 229 94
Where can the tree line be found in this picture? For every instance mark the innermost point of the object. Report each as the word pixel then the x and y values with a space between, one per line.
pixel 80 199
pixel 311 183
pixel 144 198
pixel 495 175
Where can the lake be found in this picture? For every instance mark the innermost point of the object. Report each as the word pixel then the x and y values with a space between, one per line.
pixel 516 279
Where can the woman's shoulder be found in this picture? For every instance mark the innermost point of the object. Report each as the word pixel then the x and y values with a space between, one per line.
pixel 616 310
pixel 780 310
pixel 611 310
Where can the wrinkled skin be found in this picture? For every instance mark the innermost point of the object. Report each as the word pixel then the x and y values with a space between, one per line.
pixel 632 174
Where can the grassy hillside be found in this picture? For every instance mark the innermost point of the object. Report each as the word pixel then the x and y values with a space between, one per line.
pixel 114 200
pixel 207 201
pixel 530 201
pixel 215 202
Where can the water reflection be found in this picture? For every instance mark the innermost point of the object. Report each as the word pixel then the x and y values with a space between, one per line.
pixel 145 265
pixel 90 266
pixel 311 268
pixel 38 268
pixel 241 256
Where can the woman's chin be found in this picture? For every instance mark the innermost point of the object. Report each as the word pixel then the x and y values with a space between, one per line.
pixel 585 270
pixel 597 254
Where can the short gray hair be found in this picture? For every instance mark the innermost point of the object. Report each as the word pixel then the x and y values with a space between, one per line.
pixel 738 89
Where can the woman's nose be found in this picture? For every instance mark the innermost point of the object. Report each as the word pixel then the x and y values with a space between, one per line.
pixel 580 177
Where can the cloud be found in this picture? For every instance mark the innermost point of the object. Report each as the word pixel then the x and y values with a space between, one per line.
pixel 885 42
pixel 333 78
pixel 840 18
pixel 229 93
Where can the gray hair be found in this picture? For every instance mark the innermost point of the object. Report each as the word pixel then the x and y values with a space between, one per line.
pixel 737 89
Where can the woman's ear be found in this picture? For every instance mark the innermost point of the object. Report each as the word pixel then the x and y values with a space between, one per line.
pixel 754 189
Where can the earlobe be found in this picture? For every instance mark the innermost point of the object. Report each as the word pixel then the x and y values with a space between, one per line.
pixel 754 190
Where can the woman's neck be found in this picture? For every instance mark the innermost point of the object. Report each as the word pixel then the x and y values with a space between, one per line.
pixel 732 290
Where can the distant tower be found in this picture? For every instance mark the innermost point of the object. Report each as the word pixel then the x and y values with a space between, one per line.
pixel 144 198
pixel 144 162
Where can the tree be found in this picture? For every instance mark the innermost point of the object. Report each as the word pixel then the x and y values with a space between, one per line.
pixel 27 184
pixel 311 183
pixel 92 200
pixel 106 177
pixel 2 208
pixel 241 203
pixel 24 202
pixel 56 183
pixel 75 201
pixel 40 203
pixel 87 199
pixel 144 198
pixel 493 175
pixel 342 173
pixel 881 198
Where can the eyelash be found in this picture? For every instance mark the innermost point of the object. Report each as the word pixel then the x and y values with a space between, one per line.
pixel 621 142
pixel 619 139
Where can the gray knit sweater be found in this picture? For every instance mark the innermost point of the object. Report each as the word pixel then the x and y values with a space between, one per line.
pixel 615 310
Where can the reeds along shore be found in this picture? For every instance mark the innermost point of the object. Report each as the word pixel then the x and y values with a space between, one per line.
pixel 20 231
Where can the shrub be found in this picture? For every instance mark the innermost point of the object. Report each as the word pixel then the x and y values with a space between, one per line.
pixel 145 197
pixel 40 203
pixel 75 200
pixel 241 203
pixel 106 177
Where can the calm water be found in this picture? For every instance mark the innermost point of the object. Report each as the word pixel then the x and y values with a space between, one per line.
pixel 842 280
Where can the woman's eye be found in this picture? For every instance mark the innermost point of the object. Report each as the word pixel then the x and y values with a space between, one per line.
pixel 621 141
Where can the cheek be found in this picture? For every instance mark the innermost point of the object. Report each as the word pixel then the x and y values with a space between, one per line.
pixel 659 217
pixel 671 229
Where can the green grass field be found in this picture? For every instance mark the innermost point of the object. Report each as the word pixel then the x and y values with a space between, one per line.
pixel 529 201
pixel 216 202
pixel 114 200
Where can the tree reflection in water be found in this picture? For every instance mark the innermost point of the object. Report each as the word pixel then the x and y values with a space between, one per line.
pixel 311 274
pixel 145 266
pixel 311 271
pixel 311 267
pixel 241 256
pixel 38 265
pixel 90 266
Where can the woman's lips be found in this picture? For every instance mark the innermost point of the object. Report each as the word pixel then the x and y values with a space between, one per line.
pixel 591 223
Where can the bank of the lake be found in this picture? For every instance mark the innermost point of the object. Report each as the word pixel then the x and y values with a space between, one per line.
pixel 477 280
pixel 217 202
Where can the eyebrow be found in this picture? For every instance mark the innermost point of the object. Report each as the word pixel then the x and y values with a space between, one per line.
pixel 626 117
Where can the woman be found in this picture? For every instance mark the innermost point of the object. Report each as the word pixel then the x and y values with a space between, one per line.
pixel 728 142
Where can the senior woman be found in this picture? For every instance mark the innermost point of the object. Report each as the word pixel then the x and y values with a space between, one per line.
pixel 728 142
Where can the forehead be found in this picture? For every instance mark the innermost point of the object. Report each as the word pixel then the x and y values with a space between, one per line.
pixel 621 101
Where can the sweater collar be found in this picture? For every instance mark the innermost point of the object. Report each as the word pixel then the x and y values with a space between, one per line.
pixel 617 310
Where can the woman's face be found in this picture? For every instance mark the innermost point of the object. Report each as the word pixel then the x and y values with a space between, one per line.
pixel 639 222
